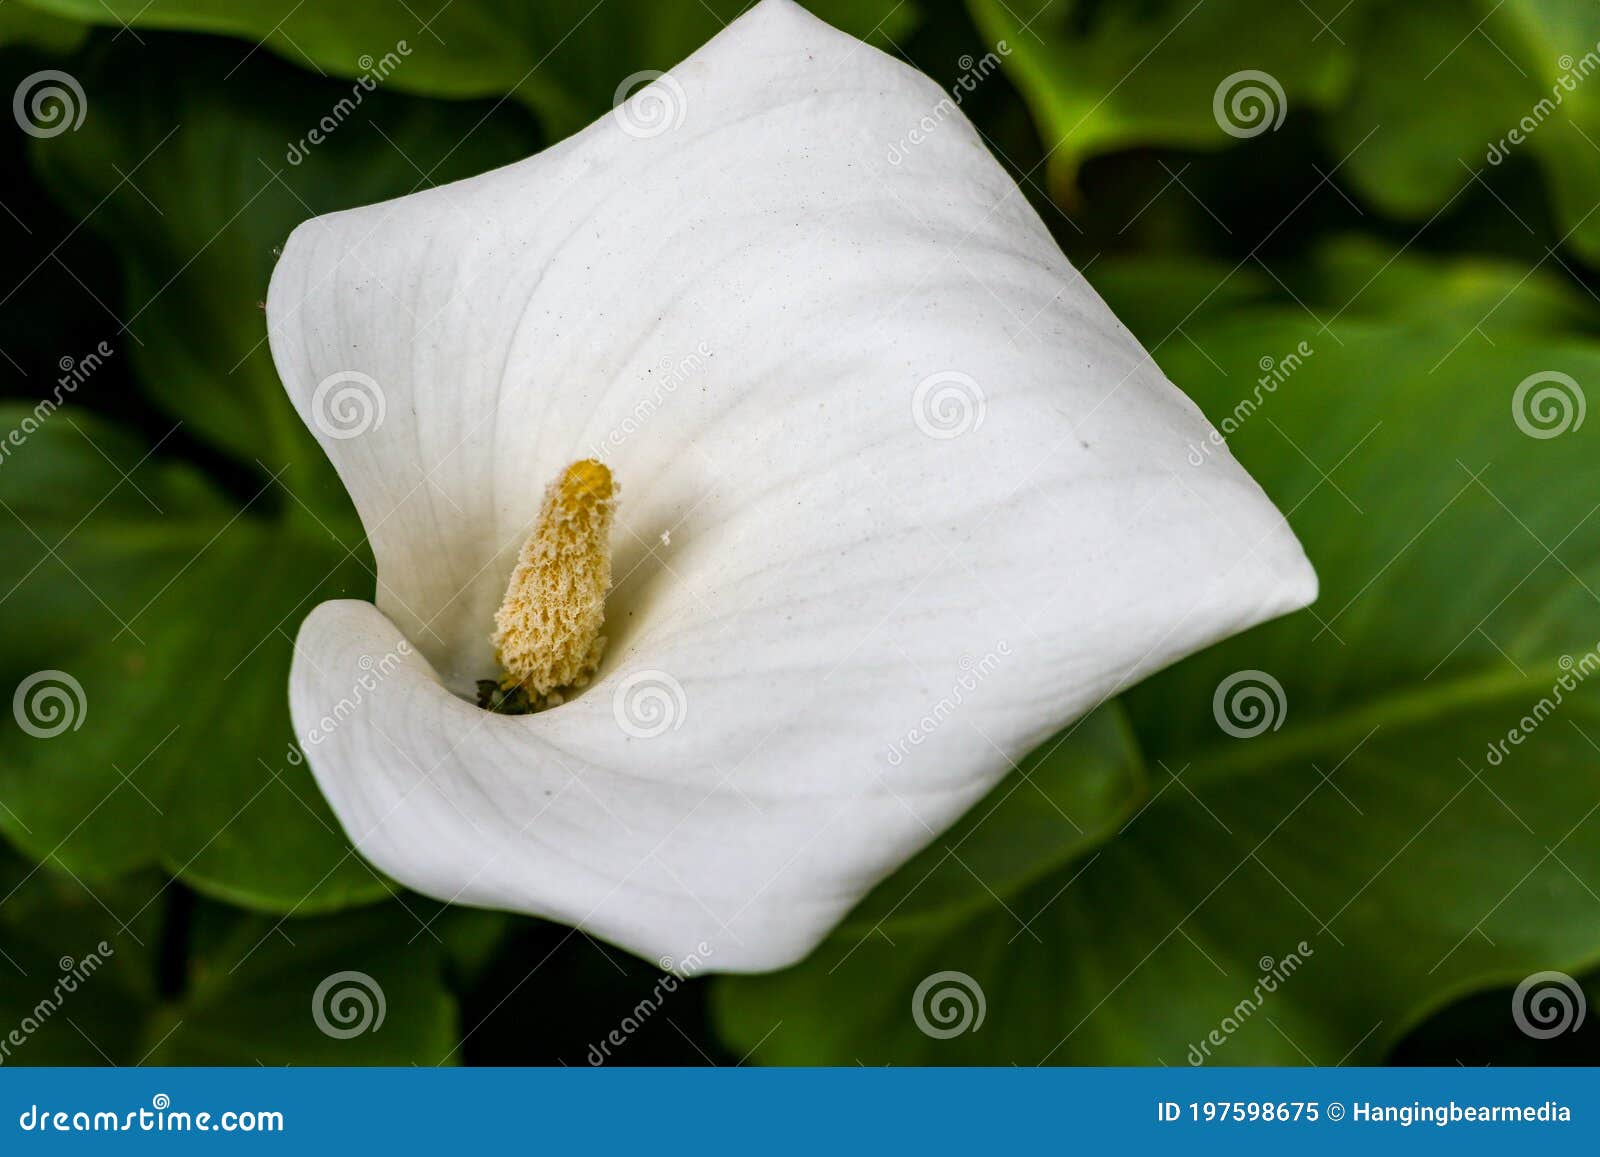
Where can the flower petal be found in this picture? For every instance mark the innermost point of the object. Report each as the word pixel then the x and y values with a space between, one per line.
pixel 900 497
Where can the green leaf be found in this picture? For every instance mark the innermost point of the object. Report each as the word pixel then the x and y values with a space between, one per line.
pixel 1481 297
pixel 1101 76
pixel 363 988
pixel 35 29
pixel 90 978
pixel 1310 892
pixel 190 174
pixel 1430 97
pixel 77 975
pixel 1421 100
pixel 161 616
pixel 1563 56
pixel 1447 87
pixel 562 58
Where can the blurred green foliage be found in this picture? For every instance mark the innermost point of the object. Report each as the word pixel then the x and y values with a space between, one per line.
pixel 175 514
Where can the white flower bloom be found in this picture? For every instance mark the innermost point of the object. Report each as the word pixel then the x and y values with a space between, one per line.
pixel 868 425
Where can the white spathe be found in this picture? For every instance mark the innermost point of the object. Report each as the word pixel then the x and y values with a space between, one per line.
pixel 928 500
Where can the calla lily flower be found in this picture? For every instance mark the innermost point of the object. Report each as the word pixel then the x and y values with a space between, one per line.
pixel 895 498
